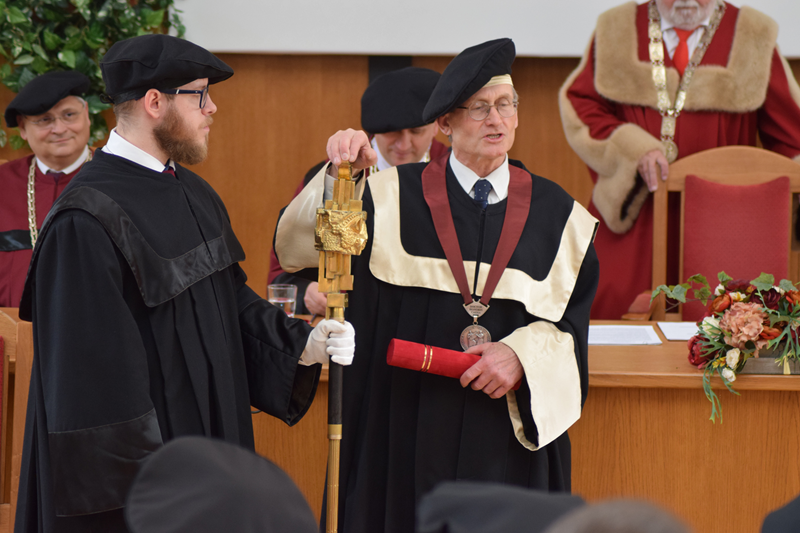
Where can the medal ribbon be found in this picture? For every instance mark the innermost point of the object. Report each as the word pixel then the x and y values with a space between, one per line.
pixel 434 189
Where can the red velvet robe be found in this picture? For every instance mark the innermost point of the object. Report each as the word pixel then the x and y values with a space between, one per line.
pixel 626 258
pixel 14 259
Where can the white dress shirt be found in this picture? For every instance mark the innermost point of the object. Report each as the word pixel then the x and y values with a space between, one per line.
pixel 671 39
pixel 118 146
pixel 499 179
pixel 68 170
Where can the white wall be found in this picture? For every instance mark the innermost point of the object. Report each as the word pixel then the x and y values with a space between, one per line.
pixel 556 28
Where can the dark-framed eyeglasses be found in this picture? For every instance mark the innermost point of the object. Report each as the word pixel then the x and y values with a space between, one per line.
pixel 202 92
pixel 480 110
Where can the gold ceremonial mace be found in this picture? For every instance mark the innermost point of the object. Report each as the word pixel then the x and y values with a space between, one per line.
pixel 340 233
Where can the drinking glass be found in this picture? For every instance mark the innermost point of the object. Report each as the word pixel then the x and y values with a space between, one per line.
pixel 283 296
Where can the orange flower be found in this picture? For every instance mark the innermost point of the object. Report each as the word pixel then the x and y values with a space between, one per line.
pixel 793 297
pixel 769 333
pixel 720 303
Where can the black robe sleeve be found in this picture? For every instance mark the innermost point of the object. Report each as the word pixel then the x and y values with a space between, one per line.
pixel 273 344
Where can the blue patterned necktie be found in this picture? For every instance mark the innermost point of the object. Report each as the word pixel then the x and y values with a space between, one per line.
pixel 482 189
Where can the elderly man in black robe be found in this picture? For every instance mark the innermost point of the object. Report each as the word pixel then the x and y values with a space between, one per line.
pixel 144 328
pixel 468 248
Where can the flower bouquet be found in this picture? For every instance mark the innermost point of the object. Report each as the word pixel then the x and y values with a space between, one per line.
pixel 745 319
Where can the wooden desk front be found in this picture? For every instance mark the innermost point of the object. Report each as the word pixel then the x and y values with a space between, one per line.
pixel 645 433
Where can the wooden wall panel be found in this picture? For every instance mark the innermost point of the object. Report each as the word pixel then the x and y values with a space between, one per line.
pixel 275 115
pixel 301 450
pixel 277 111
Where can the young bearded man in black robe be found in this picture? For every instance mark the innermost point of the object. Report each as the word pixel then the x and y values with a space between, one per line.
pixel 469 225
pixel 144 328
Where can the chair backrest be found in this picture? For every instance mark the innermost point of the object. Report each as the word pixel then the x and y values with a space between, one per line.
pixel 17 365
pixel 730 165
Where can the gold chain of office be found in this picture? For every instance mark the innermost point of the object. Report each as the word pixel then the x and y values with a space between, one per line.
pixel 32 199
pixel 670 113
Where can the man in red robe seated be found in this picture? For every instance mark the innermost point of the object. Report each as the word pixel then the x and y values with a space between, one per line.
pixel 391 111
pixel 54 120
pixel 736 88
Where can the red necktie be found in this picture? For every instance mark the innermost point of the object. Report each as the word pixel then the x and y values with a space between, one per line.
pixel 681 57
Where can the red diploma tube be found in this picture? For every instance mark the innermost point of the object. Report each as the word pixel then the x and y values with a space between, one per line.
pixel 430 359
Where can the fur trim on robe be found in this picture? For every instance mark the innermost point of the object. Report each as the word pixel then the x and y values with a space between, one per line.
pixel 739 87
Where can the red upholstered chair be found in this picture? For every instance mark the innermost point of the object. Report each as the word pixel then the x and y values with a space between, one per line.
pixel 736 216
pixel 741 229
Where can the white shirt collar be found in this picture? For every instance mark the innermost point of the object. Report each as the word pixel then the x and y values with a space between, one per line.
pixel 499 179
pixel 118 146
pixel 671 39
pixel 68 170
pixel 383 164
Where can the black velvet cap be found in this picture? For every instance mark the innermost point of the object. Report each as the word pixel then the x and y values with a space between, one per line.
pixel 133 66
pixel 395 100
pixel 467 73
pixel 783 520
pixel 199 485
pixel 45 91
pixel 473 507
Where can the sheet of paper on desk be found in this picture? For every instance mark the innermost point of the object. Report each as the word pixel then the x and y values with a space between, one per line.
pixel 623 335
pixel 678 331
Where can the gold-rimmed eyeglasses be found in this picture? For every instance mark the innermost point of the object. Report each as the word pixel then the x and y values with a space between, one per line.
pixel 480 110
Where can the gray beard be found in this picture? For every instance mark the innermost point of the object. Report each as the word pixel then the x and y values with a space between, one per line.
pixel 683 19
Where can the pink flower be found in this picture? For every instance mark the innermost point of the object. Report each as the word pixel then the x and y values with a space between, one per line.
pixel 741 323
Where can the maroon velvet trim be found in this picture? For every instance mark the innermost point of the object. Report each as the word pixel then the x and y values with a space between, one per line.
pixel 434 188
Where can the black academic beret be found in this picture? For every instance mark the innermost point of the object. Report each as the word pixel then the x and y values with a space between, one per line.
pixel 134 66
pixel 783 520
pixel 199 485
pixel 395 100
pixel 45 91
pixel 467 73
pixel 472 507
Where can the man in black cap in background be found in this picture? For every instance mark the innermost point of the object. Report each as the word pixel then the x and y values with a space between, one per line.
pixel 391 112
pixel 54 120
pixel 144 329
pixel 429 225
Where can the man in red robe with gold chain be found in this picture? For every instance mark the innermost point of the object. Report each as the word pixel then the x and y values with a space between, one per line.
pixel 723 82
pixel 54 120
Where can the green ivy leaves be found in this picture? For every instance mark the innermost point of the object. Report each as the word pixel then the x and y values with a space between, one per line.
pixel 37 37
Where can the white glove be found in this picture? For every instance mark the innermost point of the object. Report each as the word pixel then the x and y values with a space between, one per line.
pixel 330 340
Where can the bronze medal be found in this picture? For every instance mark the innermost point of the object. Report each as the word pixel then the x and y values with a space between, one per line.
pixel 519 201
pixel 474 335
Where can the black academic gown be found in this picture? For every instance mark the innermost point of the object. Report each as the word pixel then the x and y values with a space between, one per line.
pixel 405 431
pixel 144 330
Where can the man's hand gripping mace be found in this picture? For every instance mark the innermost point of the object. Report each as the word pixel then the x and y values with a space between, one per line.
pixel 340 233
